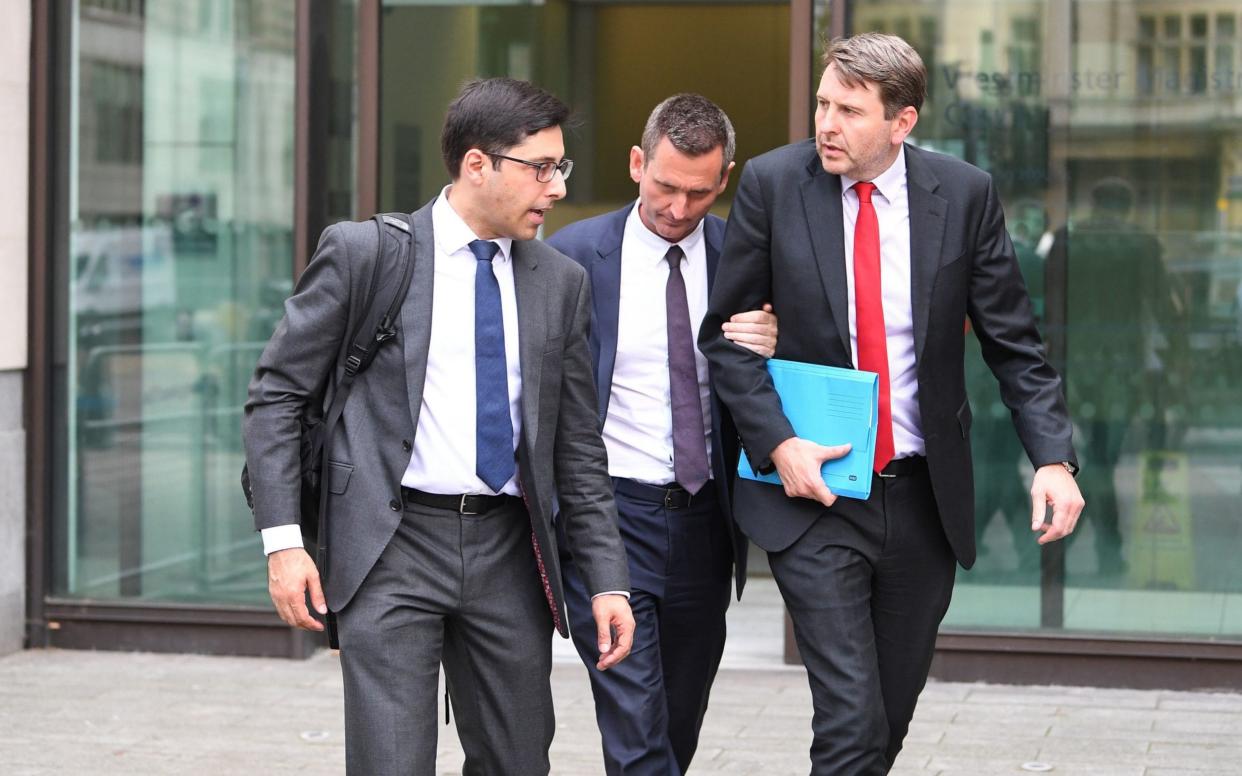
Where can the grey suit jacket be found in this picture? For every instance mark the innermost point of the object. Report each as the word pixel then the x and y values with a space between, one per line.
pixel 560 451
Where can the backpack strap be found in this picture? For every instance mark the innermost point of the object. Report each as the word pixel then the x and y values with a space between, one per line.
pixel 393 268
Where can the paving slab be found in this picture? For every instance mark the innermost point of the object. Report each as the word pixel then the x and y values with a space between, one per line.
pixel 113 713
pixel 71 712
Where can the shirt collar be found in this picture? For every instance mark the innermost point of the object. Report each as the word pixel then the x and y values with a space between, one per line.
pixel 653 244
pixel 453 235
pixel 887 183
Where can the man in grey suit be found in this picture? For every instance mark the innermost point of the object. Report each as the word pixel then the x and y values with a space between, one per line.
pixel 442 471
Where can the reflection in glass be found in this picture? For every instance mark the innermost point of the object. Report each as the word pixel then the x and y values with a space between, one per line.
pixel 180 257
pixel 1115 151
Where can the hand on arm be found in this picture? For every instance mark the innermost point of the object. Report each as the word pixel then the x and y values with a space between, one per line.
pixel 799 461
pixel 1054 486
pixel 614 629
pixel 755 330
pixel 290 574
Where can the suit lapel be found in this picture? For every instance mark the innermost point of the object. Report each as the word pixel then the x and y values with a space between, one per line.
pixel 416 310
pixel 606 299
pixel 713 236
pixel 927 222
pixel 821 198
pixel 532 314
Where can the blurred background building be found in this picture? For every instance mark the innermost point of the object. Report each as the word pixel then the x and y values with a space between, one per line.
pixel 182 157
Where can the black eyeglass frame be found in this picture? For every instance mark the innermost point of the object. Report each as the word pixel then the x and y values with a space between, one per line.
pixel 565 166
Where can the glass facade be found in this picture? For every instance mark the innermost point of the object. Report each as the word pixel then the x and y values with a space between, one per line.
pixel 1114 133
pixel 180 207
pixel 1113 130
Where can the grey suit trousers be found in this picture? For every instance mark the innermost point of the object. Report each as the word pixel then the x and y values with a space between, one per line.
pixel 463 590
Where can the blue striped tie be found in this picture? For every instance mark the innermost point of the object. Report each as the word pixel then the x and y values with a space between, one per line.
pixel 493 426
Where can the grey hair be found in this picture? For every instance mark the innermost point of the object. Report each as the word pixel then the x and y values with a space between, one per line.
pixel 884 60
pixel 694 125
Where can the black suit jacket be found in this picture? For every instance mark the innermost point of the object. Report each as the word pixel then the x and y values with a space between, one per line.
pixel 785 243
pixel 595 243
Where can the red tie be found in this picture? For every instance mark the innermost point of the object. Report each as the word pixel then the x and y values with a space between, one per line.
pixel 869 314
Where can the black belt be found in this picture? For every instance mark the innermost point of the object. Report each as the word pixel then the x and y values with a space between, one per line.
pixel 462 504
pixel 904 467
pixel 670 495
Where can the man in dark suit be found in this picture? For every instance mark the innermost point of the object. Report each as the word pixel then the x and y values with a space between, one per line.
pixel 671 447
pixel 874 253
pixel 442 472
pixel 1112 344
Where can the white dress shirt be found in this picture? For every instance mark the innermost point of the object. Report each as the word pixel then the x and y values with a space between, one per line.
pixel 638 430
pixel 443 460
pixel 892 210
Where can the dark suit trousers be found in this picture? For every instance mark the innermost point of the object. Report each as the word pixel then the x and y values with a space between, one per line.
pixel 463 590
pixel 650 706
pixel 867 586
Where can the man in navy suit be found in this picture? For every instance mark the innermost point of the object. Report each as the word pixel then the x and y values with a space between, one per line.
pixel 672 449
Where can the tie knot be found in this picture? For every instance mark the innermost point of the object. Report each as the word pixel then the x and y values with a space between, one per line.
pixel 484 250
pixel 674 257
pixel 864 189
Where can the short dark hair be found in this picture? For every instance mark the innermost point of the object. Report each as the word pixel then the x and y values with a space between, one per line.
pixel 1113 195
pixel 693 124
pixel 494 115
pixel 884 60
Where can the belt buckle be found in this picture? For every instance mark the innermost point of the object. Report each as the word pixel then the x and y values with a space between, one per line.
pixel 461 507
pixel 670 501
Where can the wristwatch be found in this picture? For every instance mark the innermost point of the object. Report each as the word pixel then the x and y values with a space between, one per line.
pixel 1071 468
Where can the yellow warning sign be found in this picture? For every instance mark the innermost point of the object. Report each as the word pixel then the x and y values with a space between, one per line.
pixel 1162 551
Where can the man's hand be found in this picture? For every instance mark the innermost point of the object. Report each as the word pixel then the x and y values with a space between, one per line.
pixel 614 629
pixel 799 461
pixel 754 330
pixel 1054 486
pixel 290 574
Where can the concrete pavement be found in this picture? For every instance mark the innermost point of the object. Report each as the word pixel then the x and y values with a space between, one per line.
pixel 68 712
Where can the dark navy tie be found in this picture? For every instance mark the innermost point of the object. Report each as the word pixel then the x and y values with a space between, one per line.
pixel 689 439
pixel 493 427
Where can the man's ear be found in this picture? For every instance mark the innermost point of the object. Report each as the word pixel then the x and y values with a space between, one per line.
pixel 637 162
pixel 472 166
pixel 907 117
pixel 724 179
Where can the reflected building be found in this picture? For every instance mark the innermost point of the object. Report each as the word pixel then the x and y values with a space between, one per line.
pixel 1113 132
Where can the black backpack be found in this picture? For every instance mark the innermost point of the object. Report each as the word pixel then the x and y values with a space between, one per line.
pixel 374 324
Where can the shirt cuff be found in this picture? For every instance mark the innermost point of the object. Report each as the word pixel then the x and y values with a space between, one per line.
pixel 281 537
pixel 625 593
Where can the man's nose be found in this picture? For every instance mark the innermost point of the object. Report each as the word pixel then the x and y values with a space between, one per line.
pixel 826 124
pixel 678 207
pixel 555 188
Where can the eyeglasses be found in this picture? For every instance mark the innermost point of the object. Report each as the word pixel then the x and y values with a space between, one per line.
pixel 543 170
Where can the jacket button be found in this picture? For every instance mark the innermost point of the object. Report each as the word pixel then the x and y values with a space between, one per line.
pixel 406 446
pixel 394 505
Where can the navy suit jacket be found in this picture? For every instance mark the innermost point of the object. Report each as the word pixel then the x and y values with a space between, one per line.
pixel 595 243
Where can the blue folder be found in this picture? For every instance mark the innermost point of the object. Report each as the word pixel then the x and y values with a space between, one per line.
pixel 831 406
